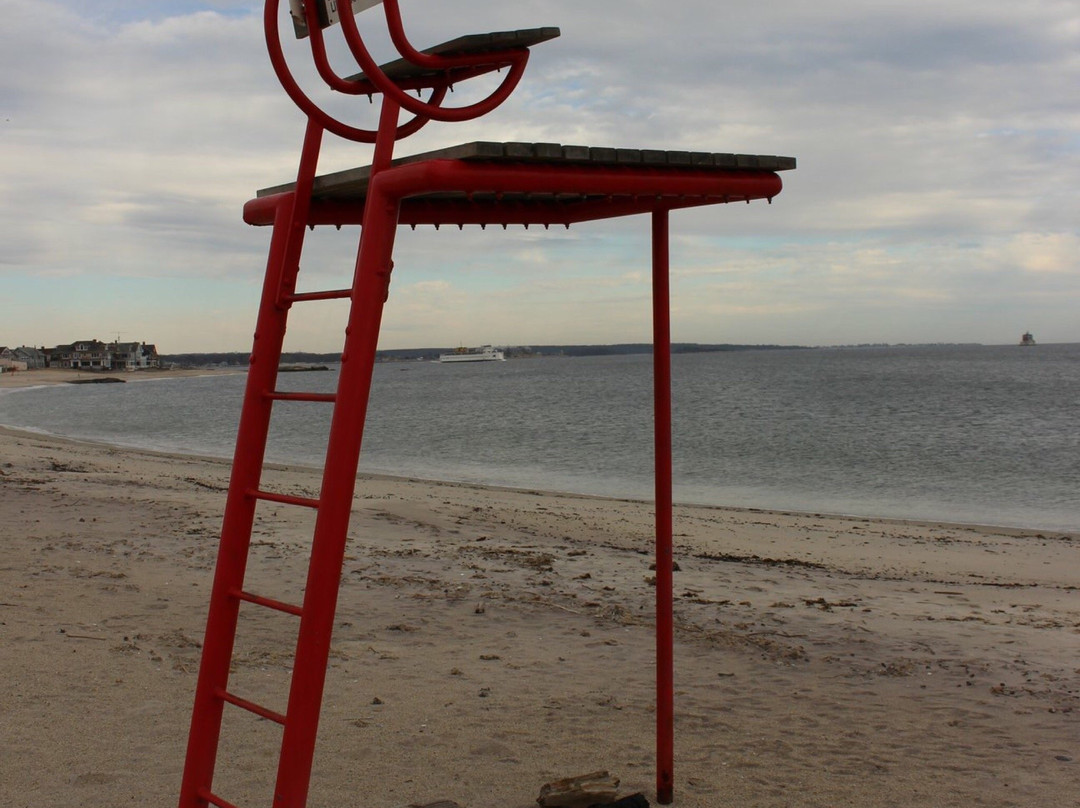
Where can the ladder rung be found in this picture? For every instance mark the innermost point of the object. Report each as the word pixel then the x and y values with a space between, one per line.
pixel 285 499
pixel 331 294
pixel 214 799
pixel 270 603
pixel 279 396
pixel 251 707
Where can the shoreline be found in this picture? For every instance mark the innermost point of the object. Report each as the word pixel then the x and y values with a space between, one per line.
pixel 488 641
pixel 44 377
pixel 1006 530
pixel 1006 512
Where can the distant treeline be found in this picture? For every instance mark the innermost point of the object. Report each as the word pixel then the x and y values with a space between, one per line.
pixel 233 358
pixel 646 347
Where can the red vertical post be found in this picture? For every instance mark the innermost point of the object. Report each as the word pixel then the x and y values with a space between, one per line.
pixel 665 694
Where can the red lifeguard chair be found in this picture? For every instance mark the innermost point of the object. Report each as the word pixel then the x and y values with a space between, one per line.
pixel 475 183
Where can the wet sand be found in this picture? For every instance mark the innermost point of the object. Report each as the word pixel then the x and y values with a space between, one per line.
pixel 488 641
pixel 46 376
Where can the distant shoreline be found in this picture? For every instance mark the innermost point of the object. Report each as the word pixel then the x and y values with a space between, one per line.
pixel 240 358
pixel 231 358
pixel 39 377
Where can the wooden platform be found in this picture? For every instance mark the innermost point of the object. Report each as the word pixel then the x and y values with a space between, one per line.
pixel 351 184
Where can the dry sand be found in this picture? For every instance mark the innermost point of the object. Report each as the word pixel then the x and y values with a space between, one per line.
pixel 47 376
pixel 489 641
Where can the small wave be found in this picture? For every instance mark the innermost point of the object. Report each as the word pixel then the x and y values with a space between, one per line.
pixel 5 391
pixel 34 429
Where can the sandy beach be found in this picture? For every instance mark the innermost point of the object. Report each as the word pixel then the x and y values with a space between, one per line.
pixel 489 641
pixel 45 376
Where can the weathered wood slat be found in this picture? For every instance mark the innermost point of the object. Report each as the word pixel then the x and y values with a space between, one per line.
pixel 352 183
pixel 470 44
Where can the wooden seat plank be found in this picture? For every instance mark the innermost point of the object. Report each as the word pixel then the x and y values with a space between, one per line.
pixel 471 44
pixel 351 184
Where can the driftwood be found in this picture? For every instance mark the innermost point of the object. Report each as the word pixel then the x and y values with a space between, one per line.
pixel 633 801
pixel 582 791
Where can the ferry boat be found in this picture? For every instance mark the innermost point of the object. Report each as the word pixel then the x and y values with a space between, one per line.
pixel 1027 339
pixel 485 353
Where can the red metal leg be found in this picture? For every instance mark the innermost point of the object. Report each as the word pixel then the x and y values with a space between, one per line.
pixel 665 697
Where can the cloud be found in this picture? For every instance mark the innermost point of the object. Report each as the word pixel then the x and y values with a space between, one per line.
pixel 1042 253
pixel 937 145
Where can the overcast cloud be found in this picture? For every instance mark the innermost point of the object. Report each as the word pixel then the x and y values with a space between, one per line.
pixel 936 197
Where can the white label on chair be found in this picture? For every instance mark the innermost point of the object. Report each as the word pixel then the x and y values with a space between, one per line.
pixel 327 11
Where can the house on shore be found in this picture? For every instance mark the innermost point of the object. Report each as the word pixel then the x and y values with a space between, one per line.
pixel 97 355
pixel 134 356
pixel 9 360
pixel 90 354
pixel 33 358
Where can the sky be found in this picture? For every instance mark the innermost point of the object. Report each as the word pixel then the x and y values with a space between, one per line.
pixel 936 199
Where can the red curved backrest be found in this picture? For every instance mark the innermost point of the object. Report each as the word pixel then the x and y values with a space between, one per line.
pixel 439 72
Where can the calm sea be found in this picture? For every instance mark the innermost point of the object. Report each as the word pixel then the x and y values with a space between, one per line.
pixel 966 434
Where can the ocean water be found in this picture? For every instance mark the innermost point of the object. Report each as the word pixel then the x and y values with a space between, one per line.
pixel 982 434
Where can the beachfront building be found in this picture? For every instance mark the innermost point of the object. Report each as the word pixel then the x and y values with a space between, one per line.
pixel 97 355
pixel 88 354
pixel 33 358
pixel 133 356
pixel 9 363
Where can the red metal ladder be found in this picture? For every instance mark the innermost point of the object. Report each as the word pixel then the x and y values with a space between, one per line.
pixel 299 721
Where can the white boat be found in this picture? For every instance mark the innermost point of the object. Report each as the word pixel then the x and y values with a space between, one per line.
pixel 484 353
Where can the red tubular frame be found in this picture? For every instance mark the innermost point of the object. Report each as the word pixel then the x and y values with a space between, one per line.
pixel 665 636
pixel 389 190
pixel 514 59
pixel 437 191
pixel 309 107
pixel 461 175
pixel 377 81
pixel 612 192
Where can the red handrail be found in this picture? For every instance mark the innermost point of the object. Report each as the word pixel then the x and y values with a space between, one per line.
pixel 516 60
pixel 375 80
pixel 309 107
pixel 432 61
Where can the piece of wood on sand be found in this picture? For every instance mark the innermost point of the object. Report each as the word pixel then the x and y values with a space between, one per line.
pixel 437 804
pixel 594 788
